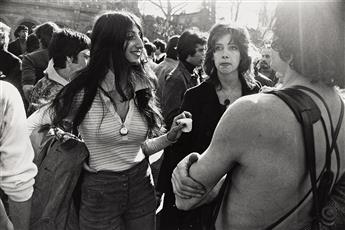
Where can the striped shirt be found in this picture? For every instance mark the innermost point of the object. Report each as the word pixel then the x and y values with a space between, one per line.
pixel 100 130
pixel 108 149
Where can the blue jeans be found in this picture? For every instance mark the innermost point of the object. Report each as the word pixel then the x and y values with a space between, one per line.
pixel 118 200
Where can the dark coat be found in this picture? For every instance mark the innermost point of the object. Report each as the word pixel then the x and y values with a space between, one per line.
pixel 33 66
pixel 14 48
pixel 176 84
pixel 202 101
pixel 10 69
pixel 59 166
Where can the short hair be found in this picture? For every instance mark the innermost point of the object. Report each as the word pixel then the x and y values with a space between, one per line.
pixel 240 36
pixel 150 48
pixel 45 31
pixel 312 41
pixel 187 43
pixel 67 43
pixel 160 44
pixel 32 43
pixel 20 28
pixel 171 50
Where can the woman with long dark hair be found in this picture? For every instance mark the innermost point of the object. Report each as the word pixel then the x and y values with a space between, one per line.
pixel 112 104
pixel 227 65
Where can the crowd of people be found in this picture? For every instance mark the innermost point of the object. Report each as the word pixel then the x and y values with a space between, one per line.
pixel 232 154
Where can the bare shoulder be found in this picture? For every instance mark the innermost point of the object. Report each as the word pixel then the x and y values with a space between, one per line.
pixel 256 121
pixel 262 111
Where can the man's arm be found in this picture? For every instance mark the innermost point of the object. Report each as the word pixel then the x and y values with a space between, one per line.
pixel 17 170
pixel 229 143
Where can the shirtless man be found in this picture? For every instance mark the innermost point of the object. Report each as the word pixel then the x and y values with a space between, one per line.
pixel 259 139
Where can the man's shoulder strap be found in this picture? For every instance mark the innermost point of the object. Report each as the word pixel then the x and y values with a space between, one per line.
pixel 307 113
pixel 299 102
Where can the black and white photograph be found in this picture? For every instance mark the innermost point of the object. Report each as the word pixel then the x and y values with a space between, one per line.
pixel 172 115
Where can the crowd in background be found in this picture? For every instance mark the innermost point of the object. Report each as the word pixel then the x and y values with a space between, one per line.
pixel 130 100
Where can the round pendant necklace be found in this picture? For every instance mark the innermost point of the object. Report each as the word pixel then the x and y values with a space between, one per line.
pixel 123 130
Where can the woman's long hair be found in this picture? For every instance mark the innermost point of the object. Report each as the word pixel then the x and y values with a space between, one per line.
pixel 241 38
pixel 109 36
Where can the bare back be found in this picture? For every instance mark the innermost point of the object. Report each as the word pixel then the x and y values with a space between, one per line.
pixel 271 177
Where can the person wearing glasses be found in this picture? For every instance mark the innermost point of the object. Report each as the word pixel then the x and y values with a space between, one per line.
pixel 259 142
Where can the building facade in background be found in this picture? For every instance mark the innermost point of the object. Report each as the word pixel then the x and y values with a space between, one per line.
pixel 75 14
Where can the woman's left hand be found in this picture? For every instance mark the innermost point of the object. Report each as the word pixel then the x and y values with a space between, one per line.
pixel 177 126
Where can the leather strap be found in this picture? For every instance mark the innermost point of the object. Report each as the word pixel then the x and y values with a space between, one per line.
pixel 291 97
pixel 335 132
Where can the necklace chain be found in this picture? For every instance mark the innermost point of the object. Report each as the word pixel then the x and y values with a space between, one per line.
pixel 226 100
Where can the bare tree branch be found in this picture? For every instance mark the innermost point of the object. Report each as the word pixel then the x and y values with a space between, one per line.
pixel 181 6
pixel 237 10
pixel 160 6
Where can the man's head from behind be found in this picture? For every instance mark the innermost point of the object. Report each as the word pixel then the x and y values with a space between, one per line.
pixel 172 47
pixel 191 47
pixel 44 33
pixel 160 45
pixel 150 49
pixel 69 49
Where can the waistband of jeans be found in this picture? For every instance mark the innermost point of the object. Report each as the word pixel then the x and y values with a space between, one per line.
pixel 140 166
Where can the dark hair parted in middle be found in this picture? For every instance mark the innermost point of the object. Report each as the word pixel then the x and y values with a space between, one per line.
pixel 187 43
pixel 109 39
pixel 240 37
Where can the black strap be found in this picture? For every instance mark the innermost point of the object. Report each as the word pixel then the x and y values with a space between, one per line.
pixel 335 132
pixel 292 97
pixel 218 201
pixel 307 113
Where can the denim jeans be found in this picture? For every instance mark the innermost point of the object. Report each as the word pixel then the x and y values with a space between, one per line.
pixel 118 200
